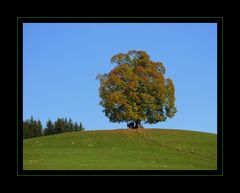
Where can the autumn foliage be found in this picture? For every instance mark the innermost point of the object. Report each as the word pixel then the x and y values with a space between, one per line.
pixel 136 90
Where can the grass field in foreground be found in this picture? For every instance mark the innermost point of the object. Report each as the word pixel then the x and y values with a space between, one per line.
pixel 139 149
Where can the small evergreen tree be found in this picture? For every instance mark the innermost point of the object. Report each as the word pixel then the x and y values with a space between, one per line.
pixel 71 125
pixel 26 129
pixel 75 126
pixel 32 128
pixel 58 126
pixel 81 127
pixel 49 130
pixel 39 128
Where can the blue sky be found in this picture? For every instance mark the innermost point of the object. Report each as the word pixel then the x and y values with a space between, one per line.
pixel 61 62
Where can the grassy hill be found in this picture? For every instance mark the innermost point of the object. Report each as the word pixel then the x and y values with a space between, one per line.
pixel 140 149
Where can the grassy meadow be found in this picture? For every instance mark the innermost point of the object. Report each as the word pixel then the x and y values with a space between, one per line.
pixel 123 149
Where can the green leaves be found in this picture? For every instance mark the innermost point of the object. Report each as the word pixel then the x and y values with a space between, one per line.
pixel 32 128
pixel 136 89
pixel 170 99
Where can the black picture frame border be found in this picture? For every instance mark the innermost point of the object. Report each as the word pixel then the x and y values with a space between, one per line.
pixel 19 75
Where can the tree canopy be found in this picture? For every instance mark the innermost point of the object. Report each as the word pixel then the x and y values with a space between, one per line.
pixel 137 90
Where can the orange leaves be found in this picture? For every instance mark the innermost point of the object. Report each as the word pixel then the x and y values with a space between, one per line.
pixel 119 58
pixel 170 98
pixel 116 98
pixel 140 71
pixel 120 74
pixel 136 89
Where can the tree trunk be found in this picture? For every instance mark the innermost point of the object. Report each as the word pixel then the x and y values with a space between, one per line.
pixel 137 123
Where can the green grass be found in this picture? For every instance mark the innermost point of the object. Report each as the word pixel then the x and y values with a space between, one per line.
pixel 141 149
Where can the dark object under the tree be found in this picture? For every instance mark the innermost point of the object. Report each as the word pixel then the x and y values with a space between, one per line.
pixel 134 126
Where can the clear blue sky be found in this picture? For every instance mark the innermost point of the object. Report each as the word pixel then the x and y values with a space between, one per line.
pixel 61 62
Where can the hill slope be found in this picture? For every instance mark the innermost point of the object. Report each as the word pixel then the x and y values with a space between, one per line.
pixel 142 149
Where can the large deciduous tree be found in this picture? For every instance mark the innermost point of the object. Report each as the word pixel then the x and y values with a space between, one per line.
pixel 137 90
